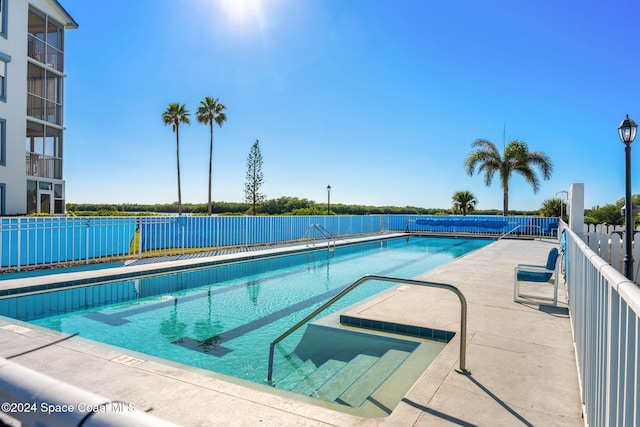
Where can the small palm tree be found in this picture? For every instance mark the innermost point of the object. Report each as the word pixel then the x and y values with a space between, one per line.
pixel 464 202
pixel 176 114
pixel 552 208
pixel 211 111
pixel 516 158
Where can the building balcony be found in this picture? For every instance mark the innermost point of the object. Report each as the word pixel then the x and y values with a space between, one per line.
pixel 44 166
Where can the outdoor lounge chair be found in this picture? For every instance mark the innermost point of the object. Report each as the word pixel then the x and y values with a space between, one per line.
pixel 537 277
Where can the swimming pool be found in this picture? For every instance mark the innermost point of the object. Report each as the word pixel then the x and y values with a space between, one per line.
pixel 223 318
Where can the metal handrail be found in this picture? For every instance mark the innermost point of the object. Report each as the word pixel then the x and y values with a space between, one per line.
pixel 511 231
pixel 463 315
pixel 323 232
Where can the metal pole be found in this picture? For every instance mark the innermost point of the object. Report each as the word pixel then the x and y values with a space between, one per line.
pixel 18 254
pixel 629 220
pixel 86 243
pixel 328 200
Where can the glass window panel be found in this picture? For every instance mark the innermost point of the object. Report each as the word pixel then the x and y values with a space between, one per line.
pixel 32 194
pixel 48 146
pixel 52 143
pixel 45 202
pixel 35 48
pixel 35 138
pixel 2 15
pixel 50 113
pixel 57 189
pixel 35 106
pixel 37 24
pixel 3 142
pixel 45 185
pixel 54 88
pixel 38 145
pixel 54 34
pixel 58 207
pixel 35 80
pixel 58 146
pixel 57 168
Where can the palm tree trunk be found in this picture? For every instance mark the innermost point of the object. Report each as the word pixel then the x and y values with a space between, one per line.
pixel 505 201
pixel 178 166
pixel 210 166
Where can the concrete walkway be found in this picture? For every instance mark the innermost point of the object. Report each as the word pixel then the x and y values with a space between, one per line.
pixel 521 358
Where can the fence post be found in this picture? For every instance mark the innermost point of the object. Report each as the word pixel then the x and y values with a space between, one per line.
pixel 86 252
pixel 183 226
pixel 18 259
pixel 139 221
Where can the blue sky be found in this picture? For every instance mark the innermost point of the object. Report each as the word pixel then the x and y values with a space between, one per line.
pixel 380 99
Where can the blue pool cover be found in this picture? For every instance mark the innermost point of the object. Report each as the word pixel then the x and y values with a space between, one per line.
pixel 464 222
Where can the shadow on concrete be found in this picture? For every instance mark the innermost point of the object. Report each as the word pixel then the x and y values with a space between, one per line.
pixel 438 414
pixel 555 311
pixel 461 422
pixel 547 309
pixel 500 401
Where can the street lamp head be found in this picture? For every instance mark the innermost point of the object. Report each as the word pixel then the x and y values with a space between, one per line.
pixel 328 188
pixel 627 130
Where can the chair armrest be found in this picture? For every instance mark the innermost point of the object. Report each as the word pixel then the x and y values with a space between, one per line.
pixel 533 268
pixel 529 265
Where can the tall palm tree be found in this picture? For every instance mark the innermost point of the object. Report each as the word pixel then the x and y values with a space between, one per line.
pixel 464 202
pixel 516 158
pixel 211 111
pixel 176 114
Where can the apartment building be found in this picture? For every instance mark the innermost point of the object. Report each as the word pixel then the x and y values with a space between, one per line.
pixel 31 106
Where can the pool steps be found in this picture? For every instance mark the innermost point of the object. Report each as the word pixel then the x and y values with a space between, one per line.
pixel 369 382
pixel 346 367
pixel 348 383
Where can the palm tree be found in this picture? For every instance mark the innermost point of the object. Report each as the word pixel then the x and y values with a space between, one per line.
pixel 176 114
pixel 464 202
pixel 516 158
pixel 211 111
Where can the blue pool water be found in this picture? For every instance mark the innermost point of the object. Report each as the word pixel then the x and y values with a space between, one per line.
pixel 223 318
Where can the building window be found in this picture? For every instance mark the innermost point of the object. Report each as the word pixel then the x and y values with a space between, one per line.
pixel 46 39
pixel 3 142
pixel 32 196
pixel 3 18
pixel 44 94
pixel 3 197
pixel 4 59
pixel 44 151
pixel 3 81
pixel 58 199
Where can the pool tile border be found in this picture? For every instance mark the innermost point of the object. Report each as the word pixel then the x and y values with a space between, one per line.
pixel 398 328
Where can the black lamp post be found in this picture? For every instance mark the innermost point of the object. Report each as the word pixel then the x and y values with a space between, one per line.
pixel 627 131
pixel 328 200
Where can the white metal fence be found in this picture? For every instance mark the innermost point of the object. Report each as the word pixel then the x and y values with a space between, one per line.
pixel 604 308
pixel 37 241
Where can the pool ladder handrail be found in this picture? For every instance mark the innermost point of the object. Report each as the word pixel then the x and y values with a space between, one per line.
pixel 520 226
pixel 331 241
pixel 463 315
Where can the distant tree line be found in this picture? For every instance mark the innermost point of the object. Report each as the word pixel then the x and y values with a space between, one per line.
pixel 609 214
pixel 280 206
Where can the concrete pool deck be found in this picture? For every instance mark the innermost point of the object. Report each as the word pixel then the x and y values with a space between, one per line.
pixel 521 358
